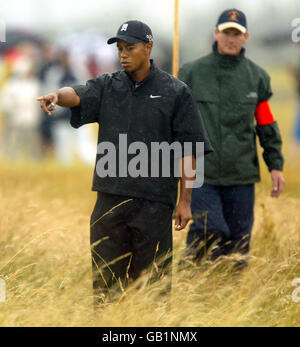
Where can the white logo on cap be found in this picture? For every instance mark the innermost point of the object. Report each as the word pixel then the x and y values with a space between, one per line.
pixel 124 27
pixel 149 37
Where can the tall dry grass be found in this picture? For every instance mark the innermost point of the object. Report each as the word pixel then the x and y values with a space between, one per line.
pixel 45 255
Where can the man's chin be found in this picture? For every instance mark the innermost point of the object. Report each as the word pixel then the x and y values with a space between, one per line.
pixel 231 52
pixel 127 68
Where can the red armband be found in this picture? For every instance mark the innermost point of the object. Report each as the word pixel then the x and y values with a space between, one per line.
pixel 263 114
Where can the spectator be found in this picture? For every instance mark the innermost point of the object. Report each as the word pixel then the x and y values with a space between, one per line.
pixel 21 112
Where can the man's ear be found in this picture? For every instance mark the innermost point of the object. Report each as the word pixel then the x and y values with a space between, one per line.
pixel 149 46
pixel 246 36
pixel 216 32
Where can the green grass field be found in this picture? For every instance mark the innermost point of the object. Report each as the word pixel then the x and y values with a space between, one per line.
pixel 45 256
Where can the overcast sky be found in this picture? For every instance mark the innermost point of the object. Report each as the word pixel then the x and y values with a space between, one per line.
pixel 197 18
pixel 44 13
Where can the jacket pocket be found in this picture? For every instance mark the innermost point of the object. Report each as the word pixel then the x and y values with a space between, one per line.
pixel 246 108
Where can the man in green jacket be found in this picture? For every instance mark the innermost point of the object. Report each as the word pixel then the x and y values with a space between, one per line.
pixel 232 93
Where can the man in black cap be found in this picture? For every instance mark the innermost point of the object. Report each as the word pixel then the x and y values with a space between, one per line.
pixel 137 108
pixel 232 94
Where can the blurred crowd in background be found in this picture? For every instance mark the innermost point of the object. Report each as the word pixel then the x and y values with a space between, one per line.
pixel 295 72
pixel 31 66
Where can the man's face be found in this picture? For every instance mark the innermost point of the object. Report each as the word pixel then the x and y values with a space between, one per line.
pixel 133 56
pixel 230 41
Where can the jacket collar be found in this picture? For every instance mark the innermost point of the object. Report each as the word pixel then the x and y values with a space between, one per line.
pixel 152 72
pixel 227 60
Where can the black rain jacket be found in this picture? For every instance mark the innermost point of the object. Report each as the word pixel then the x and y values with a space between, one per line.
pixel 160 109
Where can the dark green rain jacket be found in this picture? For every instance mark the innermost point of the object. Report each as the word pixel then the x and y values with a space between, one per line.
pixel 227 90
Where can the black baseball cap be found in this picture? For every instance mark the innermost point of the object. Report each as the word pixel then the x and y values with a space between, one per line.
pixel 232 18
pixel 132 31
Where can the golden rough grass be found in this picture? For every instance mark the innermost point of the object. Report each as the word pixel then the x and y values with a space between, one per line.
pixel 45 255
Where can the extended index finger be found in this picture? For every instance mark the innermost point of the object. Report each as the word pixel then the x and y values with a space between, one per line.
pixel 43 105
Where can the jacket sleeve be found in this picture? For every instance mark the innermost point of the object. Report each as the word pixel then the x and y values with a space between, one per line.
pixel 187 123
pixel 184 75
pixel 264 88
pixel 90 100
pixel 269 134
pixel 270 140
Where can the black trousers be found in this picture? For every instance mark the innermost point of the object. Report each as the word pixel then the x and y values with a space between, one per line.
pixel 127 236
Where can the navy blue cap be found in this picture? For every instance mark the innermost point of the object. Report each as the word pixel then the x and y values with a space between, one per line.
pixel 232 18
pixel 133 31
